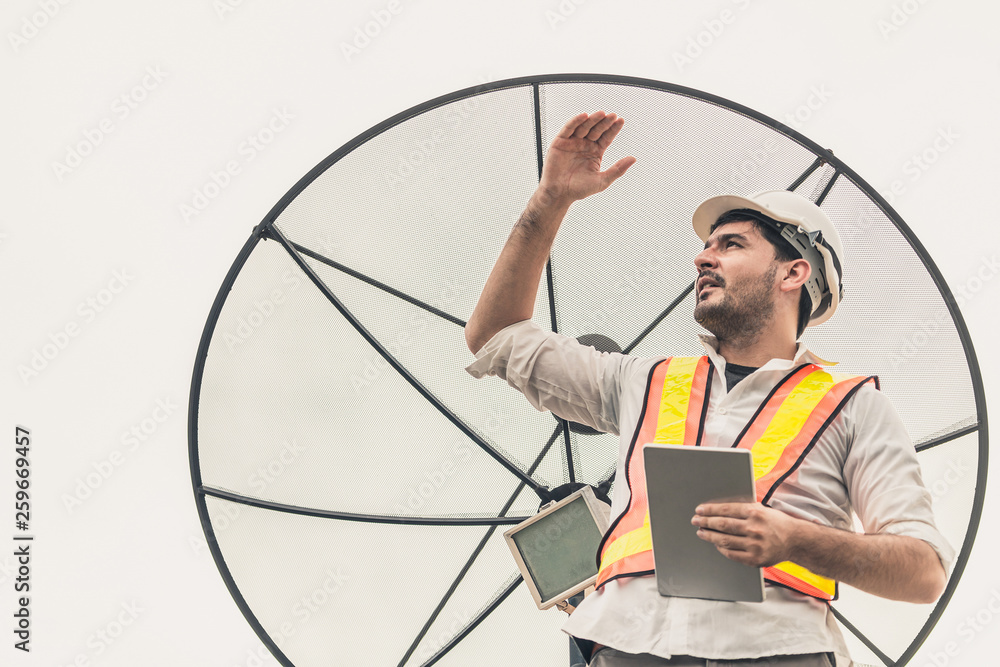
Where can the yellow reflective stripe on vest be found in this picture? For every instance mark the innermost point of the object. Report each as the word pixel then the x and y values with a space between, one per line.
pixel 789 419
pixel 828 586
pixel 632 542
pixel 675 400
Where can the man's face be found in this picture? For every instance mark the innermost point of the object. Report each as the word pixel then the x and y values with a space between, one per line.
pixel 735 290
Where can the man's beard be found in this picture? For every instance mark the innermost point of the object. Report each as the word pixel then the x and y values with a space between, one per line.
pixel 744 311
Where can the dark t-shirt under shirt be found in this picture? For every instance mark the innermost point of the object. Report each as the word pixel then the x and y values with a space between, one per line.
pixel 735 373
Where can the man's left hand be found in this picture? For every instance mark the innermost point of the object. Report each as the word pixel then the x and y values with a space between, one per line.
pixel 748 533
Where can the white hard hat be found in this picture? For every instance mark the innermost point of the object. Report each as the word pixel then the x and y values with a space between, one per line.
pixel 805 226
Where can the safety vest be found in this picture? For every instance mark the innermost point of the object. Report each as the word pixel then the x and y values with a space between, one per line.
pixel 781 433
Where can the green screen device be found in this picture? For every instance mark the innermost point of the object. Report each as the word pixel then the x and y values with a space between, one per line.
pixel 556 550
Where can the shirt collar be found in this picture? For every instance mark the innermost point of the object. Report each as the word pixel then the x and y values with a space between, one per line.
pixel 802 356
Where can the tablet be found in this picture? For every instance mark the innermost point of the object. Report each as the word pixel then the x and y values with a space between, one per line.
pixel 678 479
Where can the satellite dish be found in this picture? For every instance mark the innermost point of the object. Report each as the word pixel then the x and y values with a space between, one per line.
pixel 354 482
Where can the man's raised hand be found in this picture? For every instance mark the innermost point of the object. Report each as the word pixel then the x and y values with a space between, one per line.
pixel 572 171
pixel 572 168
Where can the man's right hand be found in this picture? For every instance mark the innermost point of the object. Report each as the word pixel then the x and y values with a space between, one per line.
pixel 572 171
pixel 572 167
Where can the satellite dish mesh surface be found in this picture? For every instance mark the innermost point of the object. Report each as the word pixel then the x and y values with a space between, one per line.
pixel 354 482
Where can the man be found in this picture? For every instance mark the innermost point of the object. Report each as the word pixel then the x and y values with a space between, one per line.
pixel 760 281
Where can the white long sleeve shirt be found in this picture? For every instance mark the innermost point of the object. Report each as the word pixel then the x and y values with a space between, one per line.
pixel 864 461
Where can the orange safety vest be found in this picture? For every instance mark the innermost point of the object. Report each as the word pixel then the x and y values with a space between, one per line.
pixel 781 433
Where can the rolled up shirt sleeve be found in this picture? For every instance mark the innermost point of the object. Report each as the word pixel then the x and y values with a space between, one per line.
pixel 883 475
pixel 557 373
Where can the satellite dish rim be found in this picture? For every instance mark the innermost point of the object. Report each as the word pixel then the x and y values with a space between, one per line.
pixel 822 156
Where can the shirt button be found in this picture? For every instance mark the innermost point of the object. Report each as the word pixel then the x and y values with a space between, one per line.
pixel 723 411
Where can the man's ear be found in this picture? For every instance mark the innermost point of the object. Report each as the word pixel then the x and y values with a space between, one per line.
pixel 797 272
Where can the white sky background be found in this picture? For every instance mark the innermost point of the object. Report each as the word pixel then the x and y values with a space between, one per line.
pixel 222 75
